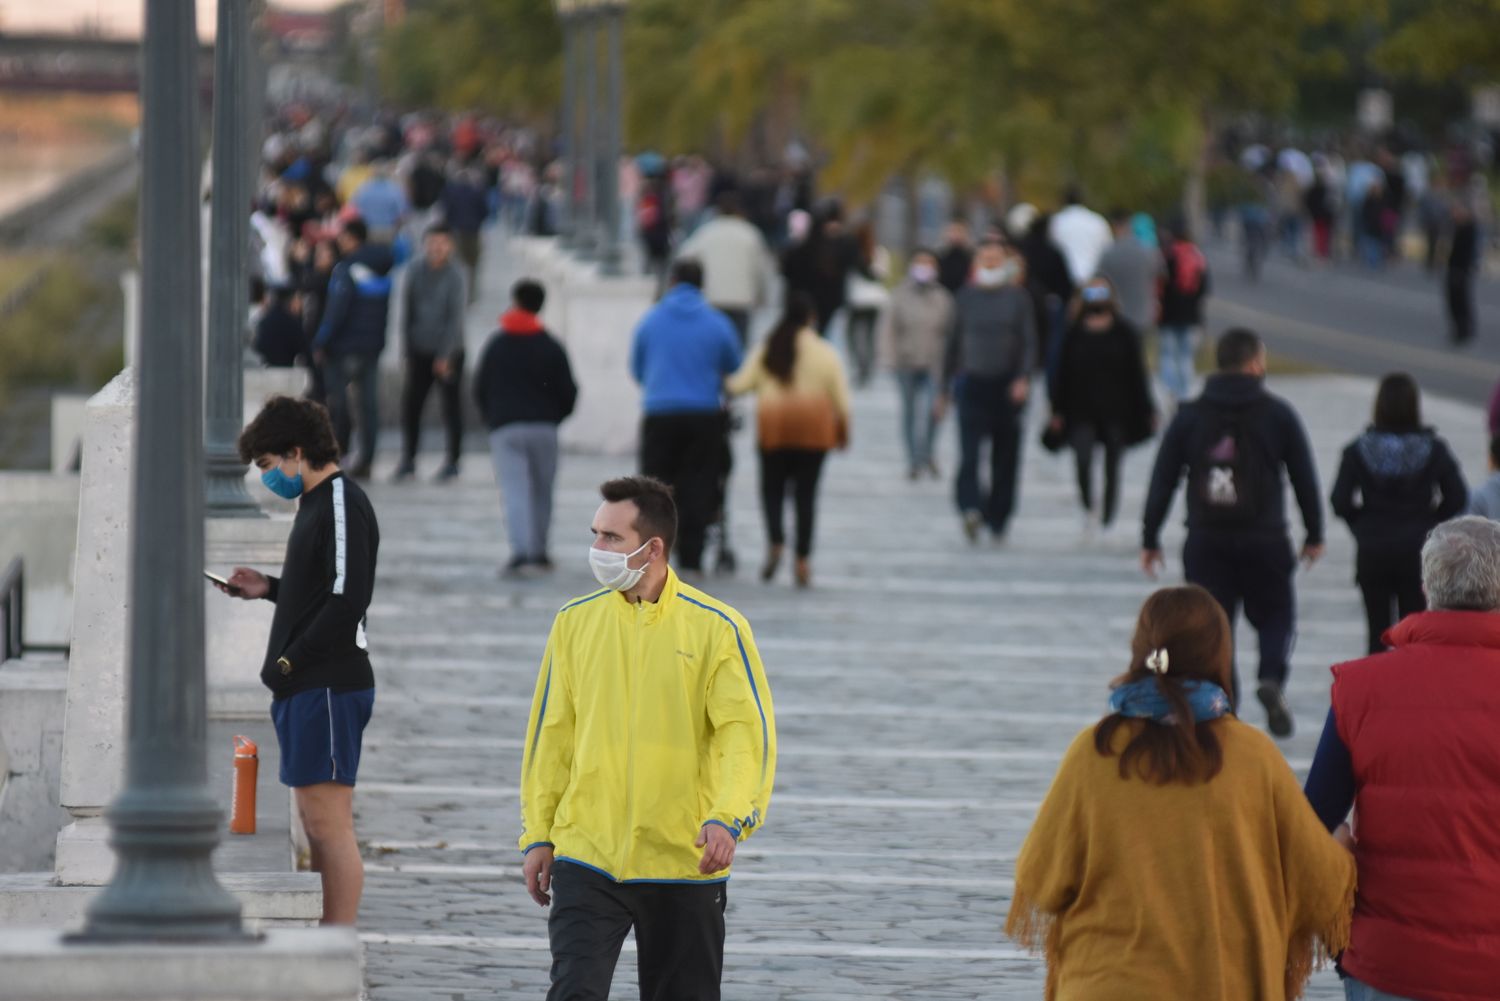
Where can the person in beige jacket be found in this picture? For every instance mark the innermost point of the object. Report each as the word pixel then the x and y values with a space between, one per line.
pixel 913 340
pixel 802 412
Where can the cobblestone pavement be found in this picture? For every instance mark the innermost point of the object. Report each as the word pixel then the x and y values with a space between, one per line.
pixel 924 690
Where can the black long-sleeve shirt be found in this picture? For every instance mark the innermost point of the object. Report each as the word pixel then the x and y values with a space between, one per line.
pixel 1275 429
pixel 323 592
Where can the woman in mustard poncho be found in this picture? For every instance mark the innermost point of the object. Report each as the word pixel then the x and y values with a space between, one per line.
pixel 1175 855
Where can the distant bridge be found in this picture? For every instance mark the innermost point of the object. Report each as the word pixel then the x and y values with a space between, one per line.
pixel 80 63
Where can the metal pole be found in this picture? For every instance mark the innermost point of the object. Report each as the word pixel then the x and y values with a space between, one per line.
pixel 227 294
pixel 587 228
pixel 567 206
pixel 165 822
pixel 610 257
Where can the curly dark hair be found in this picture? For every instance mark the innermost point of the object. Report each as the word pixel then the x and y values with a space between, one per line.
pixel 285 423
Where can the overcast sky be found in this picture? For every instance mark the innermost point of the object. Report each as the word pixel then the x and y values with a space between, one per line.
pixel 119 17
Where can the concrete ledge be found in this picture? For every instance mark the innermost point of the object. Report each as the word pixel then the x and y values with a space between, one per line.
pixel 32 693
pixel 270 900
pixel 311 964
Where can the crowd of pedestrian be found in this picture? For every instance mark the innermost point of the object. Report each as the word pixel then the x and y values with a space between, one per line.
pixel 1169 797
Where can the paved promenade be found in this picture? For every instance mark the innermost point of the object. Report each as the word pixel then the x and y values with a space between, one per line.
pixel 925 690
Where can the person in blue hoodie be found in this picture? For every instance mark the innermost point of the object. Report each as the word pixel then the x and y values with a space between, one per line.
pixel 1396 483
pixel 348 344
pixel 683 351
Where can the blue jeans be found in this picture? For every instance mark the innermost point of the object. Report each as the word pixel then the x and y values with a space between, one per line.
pixel 525 458
pixel 1356 991
pixel 917 426
pixel 986 413
pixel 1176 361
pixel 363 370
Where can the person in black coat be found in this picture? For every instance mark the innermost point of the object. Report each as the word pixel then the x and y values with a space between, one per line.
pixel 1463 262
pixel 1101 395
pixel 1396 483
pixel 820 266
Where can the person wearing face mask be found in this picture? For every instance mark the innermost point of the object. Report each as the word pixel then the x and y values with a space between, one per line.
pixel 650 755
pixel 913 342
pixel 987 367
pixel 1101 396
pixel 1233 443
pixel 317 662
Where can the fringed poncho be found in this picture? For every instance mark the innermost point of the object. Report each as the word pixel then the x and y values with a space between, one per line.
pixel 1228 890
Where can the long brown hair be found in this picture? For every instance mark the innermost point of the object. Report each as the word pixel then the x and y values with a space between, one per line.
pixel 1192 628
pixel 781 346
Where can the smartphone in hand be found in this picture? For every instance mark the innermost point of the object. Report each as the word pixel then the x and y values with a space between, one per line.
pixel 222 583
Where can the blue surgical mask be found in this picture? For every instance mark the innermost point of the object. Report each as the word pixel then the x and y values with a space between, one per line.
pixel 282 485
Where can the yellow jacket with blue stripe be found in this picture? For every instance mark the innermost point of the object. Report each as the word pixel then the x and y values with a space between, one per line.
pixel 649 721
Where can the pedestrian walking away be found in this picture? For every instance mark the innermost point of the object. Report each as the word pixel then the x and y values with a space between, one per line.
pixel 914 340
pixel 1463 262
pixel 1134 271
pixel 1155 810
pixel 465 209
pixel 987 369
pixel 1081 234
pixel 738 268
pixel 432 329
pixel 524 388
pixel 802 412
pixel 650 692
pixel 1101 397
pixel 1405 749
pixel 681 354
pixel 821 265
pixel 349 343
pixel 1396 483
pixel 1233 443
pixel 1184 287
pixel 317 663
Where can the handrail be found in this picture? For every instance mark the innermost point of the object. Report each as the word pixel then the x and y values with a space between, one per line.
pixel 13 610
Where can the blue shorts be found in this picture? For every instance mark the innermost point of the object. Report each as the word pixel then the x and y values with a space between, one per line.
pixel 320 731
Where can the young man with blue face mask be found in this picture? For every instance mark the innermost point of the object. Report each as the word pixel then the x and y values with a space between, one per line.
pixel 650 755
pixel 317 662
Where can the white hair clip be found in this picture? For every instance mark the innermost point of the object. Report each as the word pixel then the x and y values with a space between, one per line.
pixel 1157 661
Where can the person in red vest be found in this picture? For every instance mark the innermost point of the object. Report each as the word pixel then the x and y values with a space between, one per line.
pixel 1411 744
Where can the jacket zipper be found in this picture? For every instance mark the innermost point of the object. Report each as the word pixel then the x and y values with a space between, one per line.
pixel 633 665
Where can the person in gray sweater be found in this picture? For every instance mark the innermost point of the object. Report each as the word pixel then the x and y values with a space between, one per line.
pixel 432 328
pixel 990 357
pixel 914 343
pixel 1134 270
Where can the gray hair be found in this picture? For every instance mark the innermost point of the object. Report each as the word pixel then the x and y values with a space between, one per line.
pixel 1461 565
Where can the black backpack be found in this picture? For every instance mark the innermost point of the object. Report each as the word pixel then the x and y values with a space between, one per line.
pixel 1227 467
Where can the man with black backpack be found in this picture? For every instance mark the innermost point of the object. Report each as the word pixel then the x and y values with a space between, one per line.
pixel 1233 443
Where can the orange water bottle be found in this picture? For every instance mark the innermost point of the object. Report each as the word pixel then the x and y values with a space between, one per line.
pixel 246 771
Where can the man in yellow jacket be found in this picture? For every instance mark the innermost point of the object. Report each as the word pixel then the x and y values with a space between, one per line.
pixel 650 755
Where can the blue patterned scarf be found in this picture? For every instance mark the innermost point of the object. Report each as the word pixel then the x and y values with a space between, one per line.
pixel 1143 700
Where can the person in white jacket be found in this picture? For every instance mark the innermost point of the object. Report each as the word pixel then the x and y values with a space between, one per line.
pixel 738 268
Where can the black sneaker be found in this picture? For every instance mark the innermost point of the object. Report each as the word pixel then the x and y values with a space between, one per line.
pixel 404 472
pixel 543 564
pixel 448 472
pixel 1278 714
pixel 516 568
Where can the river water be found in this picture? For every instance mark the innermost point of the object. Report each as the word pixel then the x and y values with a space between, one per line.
pixel 31 169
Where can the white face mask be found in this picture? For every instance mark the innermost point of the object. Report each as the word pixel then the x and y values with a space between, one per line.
pixel 923 274
pixel 613 570
pixel 990 277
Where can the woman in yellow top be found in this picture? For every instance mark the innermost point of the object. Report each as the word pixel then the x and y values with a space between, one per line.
pixel 1175 855
pixel 802 411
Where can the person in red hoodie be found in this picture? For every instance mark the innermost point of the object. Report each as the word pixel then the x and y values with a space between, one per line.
pixel 1411 744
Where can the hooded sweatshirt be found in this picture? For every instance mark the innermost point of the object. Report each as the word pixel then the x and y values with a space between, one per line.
pixel 682 352
pixel 524 375
pixel 1387 485
pixel 1272 425
pixel 359 302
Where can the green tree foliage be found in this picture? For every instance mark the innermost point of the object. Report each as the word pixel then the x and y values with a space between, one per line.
pixel 1120 96
pixel 1446 40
